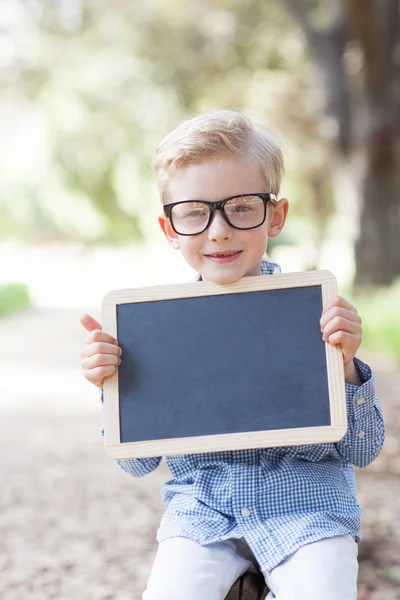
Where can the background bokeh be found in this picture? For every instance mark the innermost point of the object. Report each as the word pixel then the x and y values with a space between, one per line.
pixel 88 89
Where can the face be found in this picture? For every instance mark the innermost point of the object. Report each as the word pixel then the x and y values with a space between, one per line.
pixel 222 253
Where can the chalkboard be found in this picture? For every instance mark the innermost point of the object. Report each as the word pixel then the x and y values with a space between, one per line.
pixel 207 367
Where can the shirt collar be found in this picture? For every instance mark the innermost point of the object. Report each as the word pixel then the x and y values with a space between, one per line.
pixel 268 267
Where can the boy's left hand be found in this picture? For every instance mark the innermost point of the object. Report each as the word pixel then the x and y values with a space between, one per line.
pixel 341 325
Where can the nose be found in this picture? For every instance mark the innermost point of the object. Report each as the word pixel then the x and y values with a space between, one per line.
pixel 219 230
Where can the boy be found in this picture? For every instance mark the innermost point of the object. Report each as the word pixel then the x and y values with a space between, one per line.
pixel 291 511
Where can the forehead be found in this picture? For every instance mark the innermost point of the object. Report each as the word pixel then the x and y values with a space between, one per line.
pixel 215 179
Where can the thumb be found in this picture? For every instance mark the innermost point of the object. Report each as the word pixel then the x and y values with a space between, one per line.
pixel 89 323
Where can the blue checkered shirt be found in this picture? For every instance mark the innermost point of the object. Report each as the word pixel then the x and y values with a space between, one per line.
pixel 278 499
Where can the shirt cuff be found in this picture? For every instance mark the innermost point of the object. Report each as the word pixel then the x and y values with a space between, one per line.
pixel 361 399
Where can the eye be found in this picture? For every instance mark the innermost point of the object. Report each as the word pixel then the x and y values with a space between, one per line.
pixel 194 214
pixel 242 208
pixel 189 211
pixel 244 205
pixel 235 209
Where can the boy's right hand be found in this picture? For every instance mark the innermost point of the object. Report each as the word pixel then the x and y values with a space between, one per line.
pixel 100 353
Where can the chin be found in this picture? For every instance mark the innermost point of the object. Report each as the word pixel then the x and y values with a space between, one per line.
pixel 223 278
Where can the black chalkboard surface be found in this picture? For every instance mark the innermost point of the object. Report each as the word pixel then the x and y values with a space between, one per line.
pixel 208 367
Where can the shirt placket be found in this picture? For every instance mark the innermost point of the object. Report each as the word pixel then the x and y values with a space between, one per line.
pixel 244 495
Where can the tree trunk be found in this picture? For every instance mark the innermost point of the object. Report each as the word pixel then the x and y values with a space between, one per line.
pixel 378 246
pixel 248 587
pixel 375 25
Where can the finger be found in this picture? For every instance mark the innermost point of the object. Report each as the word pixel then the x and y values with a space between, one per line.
pixel 345 339
pixel 98 375
pixel 338 301
pixel 337 311
pixel 100 360
pixel 100 348
pixel 100 336
pixel 97 336
pixel 89 323
pixel 341 324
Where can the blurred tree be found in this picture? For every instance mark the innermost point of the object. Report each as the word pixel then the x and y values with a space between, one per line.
pixel 109 79
pixel 356 47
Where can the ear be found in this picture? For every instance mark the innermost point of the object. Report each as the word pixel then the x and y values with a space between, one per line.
pixel 278 217
pixel 168 231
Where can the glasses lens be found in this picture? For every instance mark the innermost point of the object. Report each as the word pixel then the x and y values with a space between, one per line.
pixel 245 212
pixel 190 217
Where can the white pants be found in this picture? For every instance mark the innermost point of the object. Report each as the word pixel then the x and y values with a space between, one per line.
pixel 184 570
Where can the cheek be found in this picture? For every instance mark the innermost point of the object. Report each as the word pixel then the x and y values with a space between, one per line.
pixel 257 240
pixel 190 246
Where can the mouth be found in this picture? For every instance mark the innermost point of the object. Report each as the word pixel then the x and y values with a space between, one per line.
pixel 223 257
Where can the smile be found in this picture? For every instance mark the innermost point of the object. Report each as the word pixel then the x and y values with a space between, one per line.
pixel 222 257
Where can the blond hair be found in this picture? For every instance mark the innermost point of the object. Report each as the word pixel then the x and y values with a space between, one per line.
pixel 219 133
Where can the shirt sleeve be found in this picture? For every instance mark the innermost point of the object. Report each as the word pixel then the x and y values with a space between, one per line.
pixel 366 430
pixel 137 467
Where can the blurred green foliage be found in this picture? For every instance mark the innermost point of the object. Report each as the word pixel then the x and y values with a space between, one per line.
pixel 13 297
pixel 94 86
pixel 380 312
pixel 88 89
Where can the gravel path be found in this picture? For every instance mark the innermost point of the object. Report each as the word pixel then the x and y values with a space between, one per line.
pixel 74 526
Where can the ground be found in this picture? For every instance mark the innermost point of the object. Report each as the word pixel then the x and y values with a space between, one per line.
pixel 74 526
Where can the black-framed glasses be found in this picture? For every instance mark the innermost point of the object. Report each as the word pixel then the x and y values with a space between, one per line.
pixel 245 211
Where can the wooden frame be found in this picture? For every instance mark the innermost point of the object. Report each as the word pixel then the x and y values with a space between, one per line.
pixel 214 443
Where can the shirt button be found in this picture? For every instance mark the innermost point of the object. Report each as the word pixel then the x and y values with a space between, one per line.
pixel 245 512
pixel 361 434
pixel 360 401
